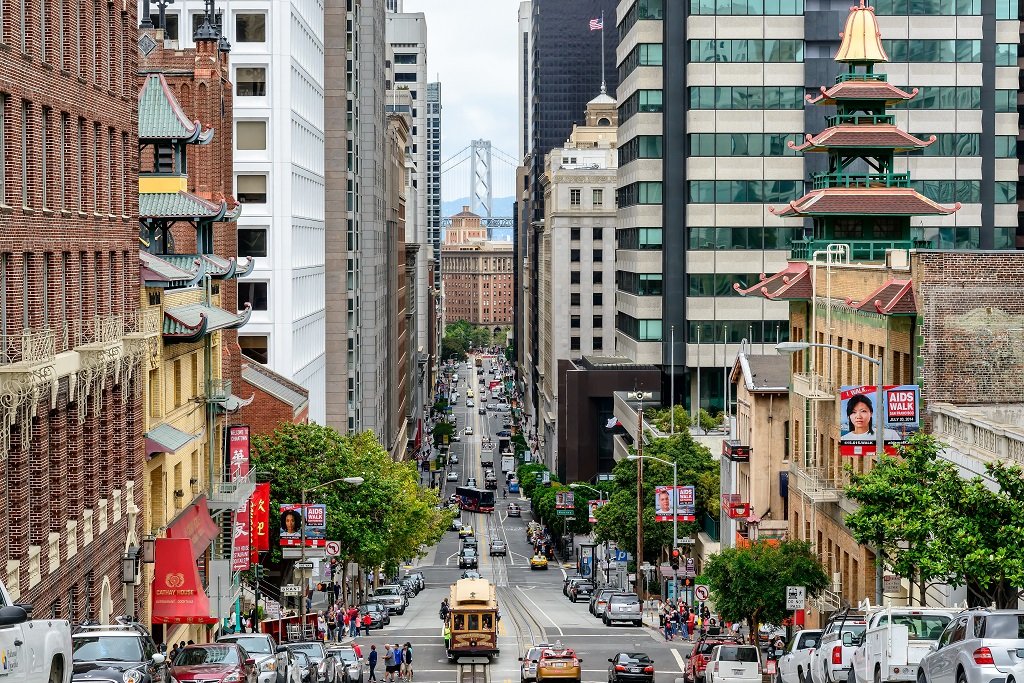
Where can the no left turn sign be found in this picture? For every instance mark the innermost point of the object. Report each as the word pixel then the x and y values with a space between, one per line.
pixel 332 548
pixel 701 592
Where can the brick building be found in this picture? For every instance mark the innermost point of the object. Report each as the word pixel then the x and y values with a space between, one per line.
pixel 70 421
pixel 476 274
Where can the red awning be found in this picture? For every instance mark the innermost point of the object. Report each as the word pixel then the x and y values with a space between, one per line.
pixel 178 595
pixel 194 524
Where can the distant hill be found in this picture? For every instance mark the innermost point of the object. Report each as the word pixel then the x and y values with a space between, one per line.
pixel 502 206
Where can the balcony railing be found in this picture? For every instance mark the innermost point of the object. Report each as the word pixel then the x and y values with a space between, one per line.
pixel 860 119
pixel 828 180
pixel 712 526
pixel 816 484
pixel 227 493
pixel 33 345
pixel 860 250
pixel 218 390
pixel 813 386
pixel 861 77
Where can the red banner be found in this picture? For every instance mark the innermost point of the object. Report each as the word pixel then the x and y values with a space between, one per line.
pixel 178 596
pixel 260 518
pixel 241 540
pixel 238 447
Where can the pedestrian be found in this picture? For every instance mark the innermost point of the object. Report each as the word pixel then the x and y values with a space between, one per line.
pixel 332 622
pixel 353 616
pixel 372 661
pixel 407 661
pixel 389 663
pixel 668 627
pixel 344 623
pixel 367 620
pixel 339 624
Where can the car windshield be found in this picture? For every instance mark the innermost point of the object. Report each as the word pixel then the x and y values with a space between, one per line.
pixel 207 654
pixel 108 649
pixel 919 626
pixel 395 590
pixel 734 653
pixel 855 629
pixel 1003 626
pixel 315 651
pixel 707 646
pixel 634 658
pixel 259 645
pixel 347 655
pixel 468 552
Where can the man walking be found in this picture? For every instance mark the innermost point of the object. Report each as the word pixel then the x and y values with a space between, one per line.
pixel 372 661
pixel 353 615
pixel 389 663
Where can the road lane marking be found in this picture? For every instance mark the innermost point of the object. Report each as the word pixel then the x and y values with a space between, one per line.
pixel 679 659
pixel 557 627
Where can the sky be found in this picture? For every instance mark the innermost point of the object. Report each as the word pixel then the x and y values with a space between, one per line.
pixel 471 49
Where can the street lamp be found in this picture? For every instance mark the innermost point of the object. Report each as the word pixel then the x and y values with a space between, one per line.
pixel 675 511
pixel 355 481
pixel 795 346
pixel 599 492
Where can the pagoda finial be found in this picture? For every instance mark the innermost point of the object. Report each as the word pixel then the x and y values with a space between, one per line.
pixel 861 39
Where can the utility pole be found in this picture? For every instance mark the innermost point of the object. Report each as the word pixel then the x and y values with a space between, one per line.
pixel 639 493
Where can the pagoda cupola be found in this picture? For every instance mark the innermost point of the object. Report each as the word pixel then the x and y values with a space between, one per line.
pixel 861 199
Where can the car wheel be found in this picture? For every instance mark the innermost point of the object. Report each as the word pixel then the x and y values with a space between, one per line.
pixel 638 622
pixel 961 677
pixel 878 674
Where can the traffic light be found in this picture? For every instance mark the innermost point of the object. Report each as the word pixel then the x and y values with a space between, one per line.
pixel 687 582
pixel 675 559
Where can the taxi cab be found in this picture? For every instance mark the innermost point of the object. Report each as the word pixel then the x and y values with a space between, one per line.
pixel 466 530
pixel 558 662
pixel 538 562
pixel 469 393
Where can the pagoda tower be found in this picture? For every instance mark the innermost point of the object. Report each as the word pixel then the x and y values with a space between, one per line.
pixel 861 200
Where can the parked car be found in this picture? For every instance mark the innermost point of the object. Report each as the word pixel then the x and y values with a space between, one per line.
pixel 623 607
pixel 599 602
pixel 830 663
pixel 793 665
pixel 697 662
pixel 568 582
pixel 417 576
pixel 350 663
pixel 214 661
pixel 581 590
pixel 734 663
pixel 379 617
pixel 393 598
pixel 111 651
pixel 305 667
pixel 273 661
pixel 895 642
pixel 631 667
pixel 978 646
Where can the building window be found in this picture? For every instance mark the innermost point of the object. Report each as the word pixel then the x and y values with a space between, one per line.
pixel 255 346
pixel 251 135
pixel 598 322
pixel 251 189
pixel 598 255
pixel 598 232
pixel 574 343
pixel 251 81
pixel 574 255
pixel 254 294
pixel 598 277
pixel 43 143
pixel 598 197
pixel 172 21
pixel 598 299
pixel 26 114
pixel 3 150
pixel 250 27
pixel 574 299
pixel 574 277
pixel 598 343
pixel 574 234
pixel 252 241
pixel 574 322
pixel 574 196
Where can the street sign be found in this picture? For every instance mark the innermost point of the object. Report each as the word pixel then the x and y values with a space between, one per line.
pixel 304 565
pixel 701 592
pixel 891 583
pixel 796 596
pixel 332 548
pixel 621 556
pixel 291 589
pixel 686 540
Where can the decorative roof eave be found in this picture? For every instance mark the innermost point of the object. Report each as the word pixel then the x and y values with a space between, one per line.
pixel 233 212
pixel 243 268
pixel 862 90
pixel 793 282
pixel 232 403
pixel 895 297
pixel 179 205
pixel 161 116
pixel 852 136
pixel 158 271
pixel 177 329
pixel 870 201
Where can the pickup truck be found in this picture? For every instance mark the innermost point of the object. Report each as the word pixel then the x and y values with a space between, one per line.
pixel 794 664
pixel 895 641
pixel 32 650
pixel 831 662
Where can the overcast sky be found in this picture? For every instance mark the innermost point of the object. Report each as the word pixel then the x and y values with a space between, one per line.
pixel 471 48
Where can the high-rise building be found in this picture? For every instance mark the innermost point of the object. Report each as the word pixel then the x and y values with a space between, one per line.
pixel 524 71
pixel 576 261
pixel 732 79
pixel 434 180
pixel 476 274
pixel 277 67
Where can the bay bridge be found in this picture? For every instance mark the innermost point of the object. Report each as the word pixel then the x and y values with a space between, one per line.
pixel 485 172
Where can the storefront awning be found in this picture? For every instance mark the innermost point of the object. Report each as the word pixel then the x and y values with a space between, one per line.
pixel 194 525
pixel 167 439
pixel 178 595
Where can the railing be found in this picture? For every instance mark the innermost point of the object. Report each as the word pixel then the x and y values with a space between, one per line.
pixel 227 493
pixel 841 78
pixel 839 119
pixel 218 389
pixel 812 385
pixel 985 437
pixel 712 526
pixel 860 250
pixel 822 181
pixel 33 345
pixel 816 483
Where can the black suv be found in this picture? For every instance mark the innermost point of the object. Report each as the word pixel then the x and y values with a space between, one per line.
pixel 116 652
pixel 468 559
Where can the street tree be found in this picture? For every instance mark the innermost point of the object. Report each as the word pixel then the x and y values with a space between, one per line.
pixel 749 583
pixel 442 429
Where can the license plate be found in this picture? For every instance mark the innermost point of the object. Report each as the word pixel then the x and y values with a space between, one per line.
pixel 737 672
pixel 634 669
pixel 559 665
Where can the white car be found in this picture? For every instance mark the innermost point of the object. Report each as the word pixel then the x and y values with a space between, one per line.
pixel 832 660
pixel 453 476
pixel 469 403
pixel 734 664
pixel 492 406
pixel 469 431
pixel 896 640
pixel 793 665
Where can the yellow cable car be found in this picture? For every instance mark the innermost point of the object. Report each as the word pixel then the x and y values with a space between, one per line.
pixel 472 619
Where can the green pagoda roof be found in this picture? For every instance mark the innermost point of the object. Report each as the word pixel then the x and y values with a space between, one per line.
pixel 180 205
pixel 168 271
pixel 189 323
pixel 217 267
pixel 162 118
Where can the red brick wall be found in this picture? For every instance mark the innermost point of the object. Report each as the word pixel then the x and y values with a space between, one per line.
pixel 266 411
pixel 69 251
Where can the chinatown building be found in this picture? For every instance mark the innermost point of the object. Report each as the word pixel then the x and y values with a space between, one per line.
pixel 72 339
pixel 188 246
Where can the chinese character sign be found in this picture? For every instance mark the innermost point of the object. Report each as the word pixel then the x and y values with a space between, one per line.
pixel 261 517
pixel 859 417
pixel 294 518
pixel 238 448
pixel 241 540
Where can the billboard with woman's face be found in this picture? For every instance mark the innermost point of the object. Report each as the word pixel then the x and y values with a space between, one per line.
pixel 859 417
pixel 294 517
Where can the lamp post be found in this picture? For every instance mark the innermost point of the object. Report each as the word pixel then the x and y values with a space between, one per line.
pixel 578 485
pixel 675 511
pixel 355 481
pixel 879 426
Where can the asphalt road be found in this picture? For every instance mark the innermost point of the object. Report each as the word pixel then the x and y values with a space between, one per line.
pixel 531 602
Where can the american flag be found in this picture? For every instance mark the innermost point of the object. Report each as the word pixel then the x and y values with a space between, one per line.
pixel 597 24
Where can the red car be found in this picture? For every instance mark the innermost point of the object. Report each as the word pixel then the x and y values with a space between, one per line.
pixel 697 662
pixel 219 662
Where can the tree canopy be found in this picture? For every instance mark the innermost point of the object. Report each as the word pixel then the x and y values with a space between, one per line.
pixel 750 582
pixel 386 519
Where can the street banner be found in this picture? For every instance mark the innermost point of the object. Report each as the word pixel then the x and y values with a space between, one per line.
pixel 675 504
pixel 238 447
pixel 260 517
pixel 294 518
pixel 686 507
pixel 592 506
pixel 565 500
pixel 241 540
pixel 859 417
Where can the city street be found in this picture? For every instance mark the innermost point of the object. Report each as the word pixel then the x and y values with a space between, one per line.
pixel 533 609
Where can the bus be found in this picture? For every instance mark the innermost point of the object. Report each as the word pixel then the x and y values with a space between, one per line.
pixel 474 499
pixel 472 619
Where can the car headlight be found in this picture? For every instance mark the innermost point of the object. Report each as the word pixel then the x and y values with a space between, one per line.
pixel 133 676
pixel 268 665
pixel 233 677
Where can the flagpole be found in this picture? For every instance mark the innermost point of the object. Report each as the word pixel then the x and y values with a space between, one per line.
pixel 603 88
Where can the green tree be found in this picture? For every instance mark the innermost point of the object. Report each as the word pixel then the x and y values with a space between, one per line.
pixel 750 582
pixel 453 349
pixel 386 519
pixel 441 430
pixel 662 418
pixel 709 422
